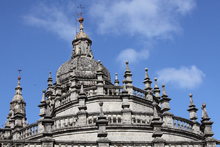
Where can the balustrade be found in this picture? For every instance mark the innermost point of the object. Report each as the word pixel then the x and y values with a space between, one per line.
pixel 66 99
pixel 29 131
pixel 138 92
pixel 141 119
pixel 113 90
pixel 181 123
pixel 64 122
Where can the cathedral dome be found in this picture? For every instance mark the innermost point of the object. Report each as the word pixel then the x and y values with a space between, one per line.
pixel 81 68
pixel 82 65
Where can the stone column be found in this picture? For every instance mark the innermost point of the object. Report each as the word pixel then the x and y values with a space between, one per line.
pixel 126 111
pixel 102 122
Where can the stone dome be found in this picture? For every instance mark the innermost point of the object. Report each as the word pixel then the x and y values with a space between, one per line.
pixel 81 68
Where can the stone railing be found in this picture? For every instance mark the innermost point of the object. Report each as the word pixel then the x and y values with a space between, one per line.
pixel 116 118
pixel 70 121
pixel 150 144
pixel 112 117
pixel 139 92
pixel 113 90
pixel 141 119
pixel 29 130
pixel 65 99
pixel 40 143
pixel 182 123
pixel 91 91
pixel 64 122
pixel 131 144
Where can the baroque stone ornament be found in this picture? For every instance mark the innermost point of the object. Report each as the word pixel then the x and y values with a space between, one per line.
pixel 83 107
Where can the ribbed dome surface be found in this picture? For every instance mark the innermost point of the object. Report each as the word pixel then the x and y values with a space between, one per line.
pixel 82 68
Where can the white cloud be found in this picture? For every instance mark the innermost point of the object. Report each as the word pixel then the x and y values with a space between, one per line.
pixel 132 55
pixel 184 77
pixel 148 18
pixel 53 17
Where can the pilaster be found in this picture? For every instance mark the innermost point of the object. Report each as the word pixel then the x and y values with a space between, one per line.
pixel 82 114
pixel 126 112
pixel 102 122
pixel 100 80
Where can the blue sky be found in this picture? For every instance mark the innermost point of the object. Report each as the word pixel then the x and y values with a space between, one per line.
pixel 177 40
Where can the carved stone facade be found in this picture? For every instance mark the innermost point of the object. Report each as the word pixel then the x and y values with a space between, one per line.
pixel 84 108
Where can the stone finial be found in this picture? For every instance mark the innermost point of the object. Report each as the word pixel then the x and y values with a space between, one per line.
pixel 156 89
pixel 43 96
pixel 146 73
pixel 204 113
pixel 165 105
pixel 156 83
pixel 116 79
pixel 128 79
pixel 147 82
pixel 206 125
pixel 191 99
pixel 127 66
pixel 192 109
pixel 50 80
pixel 164 93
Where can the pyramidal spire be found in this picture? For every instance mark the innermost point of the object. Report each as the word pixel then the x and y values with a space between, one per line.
pixel 18 90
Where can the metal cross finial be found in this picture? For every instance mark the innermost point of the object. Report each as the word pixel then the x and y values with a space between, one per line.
pixel 81 7
pixel 19 71
pixel 19 74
